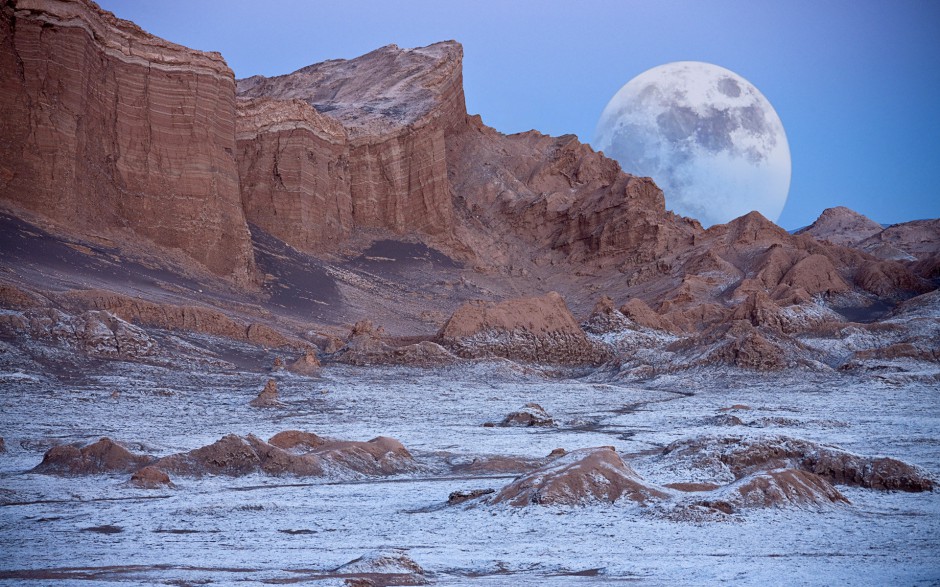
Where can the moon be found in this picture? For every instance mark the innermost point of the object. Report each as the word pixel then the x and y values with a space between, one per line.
pixel 706 136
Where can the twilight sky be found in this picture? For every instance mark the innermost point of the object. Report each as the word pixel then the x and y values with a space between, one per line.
pixel 856 84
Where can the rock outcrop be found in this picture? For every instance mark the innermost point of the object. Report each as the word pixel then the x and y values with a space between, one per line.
pixel 369 345
pixel 727 459
pixel 529 415
pixel 268 397
pixel 538 329
pixel 780 488
pixel 382 567
pixel 307 364
pixel 189 318
pixel 580 477
pixel 103 456
pixel 92 332
pixel 109 131
pixel 305 455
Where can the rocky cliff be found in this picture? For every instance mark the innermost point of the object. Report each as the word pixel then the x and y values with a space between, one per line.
pixel 384 162
pixel 373 194
pixel 111 132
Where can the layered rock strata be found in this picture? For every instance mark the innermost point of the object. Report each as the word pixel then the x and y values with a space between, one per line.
pixel 375 157
pixel 107 130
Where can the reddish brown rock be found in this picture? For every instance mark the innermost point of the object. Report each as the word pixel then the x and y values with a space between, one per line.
pixel 368 345
pixel 606 318
pixel 199 319
pixel 385 567
pixel 268 396
pixel 292 453
pixel 149 154
pixel 307 364
pixel 150 478
pixel 538 329
pixel 760 310
pixel 530 414
pixel 293 163
pixel 734 457
pixel 103 456
pixel 382 166
pixel 641 314
pixel 92 332
pixel 782 488
pixel 297 440
pixel 581 477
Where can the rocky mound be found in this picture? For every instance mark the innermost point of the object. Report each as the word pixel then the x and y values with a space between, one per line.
pixel 580 477
pixel 151 478
pixel 103 456
pixel 538 329
pixel 305 455
pixel 780 488
pixel 385 567
pixel 530 414
pixel 730 458
pixel 307 364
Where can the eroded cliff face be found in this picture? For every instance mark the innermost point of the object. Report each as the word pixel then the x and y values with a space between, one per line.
pixel 109 131
pixel 385 164
pixel 293 163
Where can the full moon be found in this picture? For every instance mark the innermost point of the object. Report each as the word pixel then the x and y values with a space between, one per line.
pixel 706 135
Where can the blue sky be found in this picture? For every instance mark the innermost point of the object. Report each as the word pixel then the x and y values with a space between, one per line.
pixel 856 83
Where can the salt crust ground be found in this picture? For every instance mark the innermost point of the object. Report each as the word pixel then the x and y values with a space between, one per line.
pixel 258 529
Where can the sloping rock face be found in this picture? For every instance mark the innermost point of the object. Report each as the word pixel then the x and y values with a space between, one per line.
pixel 842 226
pixel 92 332
pixel 193 318
pixel 380 162
pixel 580 477
pixel 107 130
pixel 538 329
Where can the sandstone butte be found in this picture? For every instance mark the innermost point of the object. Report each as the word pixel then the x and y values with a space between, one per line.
pixel 111 135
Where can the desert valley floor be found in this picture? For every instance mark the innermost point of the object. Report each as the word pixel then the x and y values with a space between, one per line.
pixel 262 529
